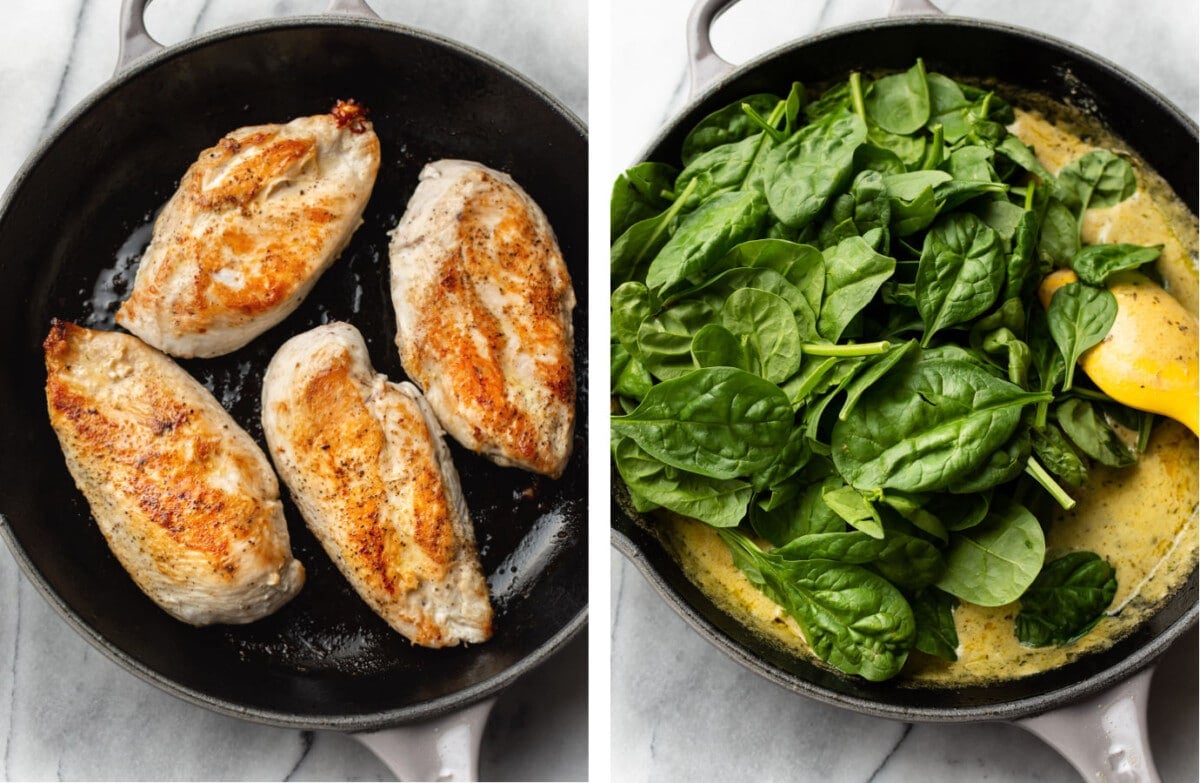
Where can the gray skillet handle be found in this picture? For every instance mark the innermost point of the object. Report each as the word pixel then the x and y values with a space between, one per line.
pixel 354 7
pixel 136 42
pixel 445 748
pixel 705 66
pixel 1105 737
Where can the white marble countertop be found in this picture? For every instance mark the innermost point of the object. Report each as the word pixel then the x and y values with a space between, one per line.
pixel 681 710
pixel 66 710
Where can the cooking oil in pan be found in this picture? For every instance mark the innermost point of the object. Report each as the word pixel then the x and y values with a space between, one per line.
pixel 114 282
pixel 519 571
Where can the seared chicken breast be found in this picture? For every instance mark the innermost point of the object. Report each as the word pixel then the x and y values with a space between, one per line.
pixel 483 306
pixel 186 499
pixel 366 464
pixel 255 221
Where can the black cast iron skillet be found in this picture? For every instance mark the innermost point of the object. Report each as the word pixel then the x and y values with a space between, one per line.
pixel 324 661
pixel 1164 137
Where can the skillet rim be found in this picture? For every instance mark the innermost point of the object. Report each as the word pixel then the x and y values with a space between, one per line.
pixel 368 721
pixel 1051 698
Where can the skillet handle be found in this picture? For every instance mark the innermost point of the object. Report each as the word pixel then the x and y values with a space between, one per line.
pixel 445 748
pixel 135 41
pixel 705 66
pixel 1104 737
pixel 354 7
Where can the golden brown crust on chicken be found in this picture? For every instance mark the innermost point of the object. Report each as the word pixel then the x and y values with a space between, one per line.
pixel 483 305
pixel 367 467
pixel 255 222
pixel 185 498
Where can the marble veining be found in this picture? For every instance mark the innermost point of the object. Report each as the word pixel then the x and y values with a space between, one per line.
pixel 66 711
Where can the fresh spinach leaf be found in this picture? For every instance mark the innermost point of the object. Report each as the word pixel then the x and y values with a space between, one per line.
pixel 631 304
pixel 852 618
pixel 664 341
pixel 972 163
pixel 1051 448
pixel 715 346
pixel 717 502
pixel 1066 600
pixel 765 323
pixel 634 250
pixel 853 274
pixel 1021 271
pixel 959 512
pixel 726 125
pixel 933 611
pixel 722 169
pixel 1003 342
pixel 629 376
pixel 926 425
pixel 814 373
pixel 1094 264
pixel 797 508
pixel 1099 178
pixel 873 372
pixel 1088 430
pixel 1020 154
pixel 703 238
pixel 911 184
pixel 719 421
pixel 1002 466
pixel 792 458
pixel 1058 239
pixel 911 508
pixel 811 166
pixel 909 217
pixel 802 265
pixel 640 192
pixel 872 157
pixel 858 512
pixel 717 292
pixel 960 274
pixel 993 563
pixel 1003 216
pixel 899 103
pixel 1079 317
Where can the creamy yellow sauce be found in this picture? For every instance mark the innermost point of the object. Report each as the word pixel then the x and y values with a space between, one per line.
pixel 1142 519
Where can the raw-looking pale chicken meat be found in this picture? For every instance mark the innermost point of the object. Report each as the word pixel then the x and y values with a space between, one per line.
pixel 186 499
pixel 366 464
pixel 483 306
pixel 255 222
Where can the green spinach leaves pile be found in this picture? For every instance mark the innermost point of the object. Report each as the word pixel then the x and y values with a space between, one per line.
pixel 826 337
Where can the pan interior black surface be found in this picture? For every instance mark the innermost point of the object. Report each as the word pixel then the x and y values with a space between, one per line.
pixel 986 53
pixel 325 659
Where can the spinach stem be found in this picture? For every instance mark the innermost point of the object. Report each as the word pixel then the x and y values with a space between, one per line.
pixel 768 125
pixel 856 95
pixel 985 106
pixel 849 349
pixel 935 149
pixel 1041 476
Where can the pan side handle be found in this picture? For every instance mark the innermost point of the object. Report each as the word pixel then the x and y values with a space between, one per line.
pixel 355 7
pixel 135 41
pixel 1104 737
pixel 705 66
pixel 445 748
